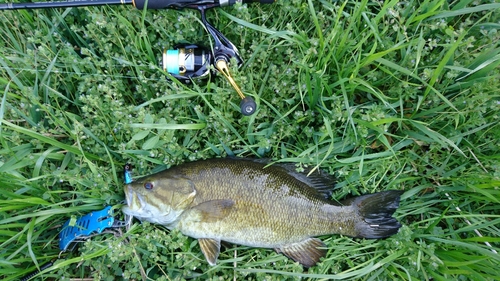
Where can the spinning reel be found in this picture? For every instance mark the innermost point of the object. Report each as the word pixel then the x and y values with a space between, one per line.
pixel 185 62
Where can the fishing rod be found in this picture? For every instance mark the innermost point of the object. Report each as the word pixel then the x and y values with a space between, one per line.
pixel 185 62
pixel 139 4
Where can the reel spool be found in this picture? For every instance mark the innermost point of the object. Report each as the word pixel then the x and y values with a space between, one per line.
pixel 187 62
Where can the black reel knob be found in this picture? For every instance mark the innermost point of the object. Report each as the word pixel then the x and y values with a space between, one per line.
pixel 248 106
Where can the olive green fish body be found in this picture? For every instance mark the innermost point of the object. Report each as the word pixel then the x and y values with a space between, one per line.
pixel 244 202
pixel 257 216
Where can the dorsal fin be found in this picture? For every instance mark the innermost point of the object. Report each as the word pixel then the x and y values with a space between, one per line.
pixel 318 179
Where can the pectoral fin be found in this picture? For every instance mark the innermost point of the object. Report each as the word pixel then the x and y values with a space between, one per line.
pixel 210 248
pixel 307 252
pixel 214 210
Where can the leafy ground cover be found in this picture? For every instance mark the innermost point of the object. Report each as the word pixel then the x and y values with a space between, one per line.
pixel 381 94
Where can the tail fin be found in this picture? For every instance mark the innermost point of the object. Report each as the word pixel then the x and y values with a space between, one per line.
pixel 376 212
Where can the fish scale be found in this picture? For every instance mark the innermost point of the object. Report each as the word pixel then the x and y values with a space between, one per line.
pixel 292 218
pixel 249 202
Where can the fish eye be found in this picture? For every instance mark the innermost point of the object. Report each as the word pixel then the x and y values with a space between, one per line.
pixel 148 185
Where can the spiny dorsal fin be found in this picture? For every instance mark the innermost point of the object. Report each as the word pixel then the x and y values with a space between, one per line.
pixel 214 210
pixel 210 248
pixel 307 252
pixel 318 179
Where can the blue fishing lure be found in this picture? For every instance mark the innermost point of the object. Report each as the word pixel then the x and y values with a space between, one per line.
pixel 127 173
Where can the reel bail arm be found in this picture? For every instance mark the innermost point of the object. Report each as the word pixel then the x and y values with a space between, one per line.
pixel 223 52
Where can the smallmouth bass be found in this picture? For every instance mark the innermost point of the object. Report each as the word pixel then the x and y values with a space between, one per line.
pixel 251 203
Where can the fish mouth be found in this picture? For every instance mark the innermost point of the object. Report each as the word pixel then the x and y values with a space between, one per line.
pixel 128 196
pixel 138 207
pixel 135 202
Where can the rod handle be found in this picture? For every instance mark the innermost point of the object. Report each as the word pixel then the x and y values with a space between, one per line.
pixel 260 1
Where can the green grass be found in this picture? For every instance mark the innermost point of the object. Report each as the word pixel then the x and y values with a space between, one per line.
pixel 392 95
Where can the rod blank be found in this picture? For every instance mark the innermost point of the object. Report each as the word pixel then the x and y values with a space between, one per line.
pixel 62 4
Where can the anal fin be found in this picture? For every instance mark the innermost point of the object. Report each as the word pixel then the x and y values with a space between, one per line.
pixel 307 252
pixel 210 248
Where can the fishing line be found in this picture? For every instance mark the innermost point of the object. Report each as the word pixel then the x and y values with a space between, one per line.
pixel 470 224
pixel 478 233
pixel 85 73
